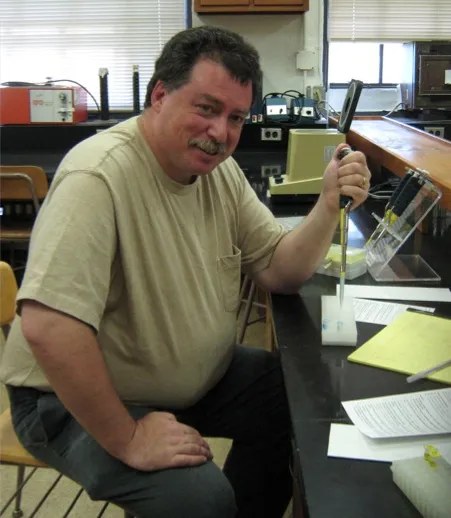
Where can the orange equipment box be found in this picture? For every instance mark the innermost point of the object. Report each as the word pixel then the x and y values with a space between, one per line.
pixel 42 105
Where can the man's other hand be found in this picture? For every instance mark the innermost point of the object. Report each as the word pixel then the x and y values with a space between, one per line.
pixel 161 442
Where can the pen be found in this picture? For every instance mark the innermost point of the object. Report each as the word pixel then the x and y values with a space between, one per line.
pixel 411 189
pixel 388 208
pixel 397 192
pixel 422 374
pixel 404 198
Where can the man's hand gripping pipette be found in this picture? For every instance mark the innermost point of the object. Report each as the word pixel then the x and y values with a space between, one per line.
pixel 346 203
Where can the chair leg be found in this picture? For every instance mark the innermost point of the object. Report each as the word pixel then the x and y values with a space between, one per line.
pixel 247 312
pixel 104 508
pixel 246 281
pixel 126 513
pixel 18 513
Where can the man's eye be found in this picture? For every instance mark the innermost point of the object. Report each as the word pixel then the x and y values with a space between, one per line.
pixel 238 119
pixel 205 108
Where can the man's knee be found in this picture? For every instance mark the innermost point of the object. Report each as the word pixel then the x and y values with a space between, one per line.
pixel 203 498
pixel 201 492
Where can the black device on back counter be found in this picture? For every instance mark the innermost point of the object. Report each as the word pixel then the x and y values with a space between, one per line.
pixel 104 102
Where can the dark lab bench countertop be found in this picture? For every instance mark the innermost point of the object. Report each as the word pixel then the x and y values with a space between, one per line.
pixel 318 379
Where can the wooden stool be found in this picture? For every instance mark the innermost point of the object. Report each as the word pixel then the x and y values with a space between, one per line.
pixel 249 303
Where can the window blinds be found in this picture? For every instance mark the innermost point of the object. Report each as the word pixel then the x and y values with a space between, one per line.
pixel 389 20
pixel 67 39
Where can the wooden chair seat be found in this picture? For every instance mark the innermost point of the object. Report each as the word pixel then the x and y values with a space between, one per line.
pixel 11 451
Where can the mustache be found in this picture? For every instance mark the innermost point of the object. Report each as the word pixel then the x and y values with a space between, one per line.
pixel 212 147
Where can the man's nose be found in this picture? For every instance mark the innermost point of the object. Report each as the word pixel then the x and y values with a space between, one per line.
pixel 218 129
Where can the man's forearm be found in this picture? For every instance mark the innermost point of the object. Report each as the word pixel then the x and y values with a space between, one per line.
pixel 70 356
pixel 300 252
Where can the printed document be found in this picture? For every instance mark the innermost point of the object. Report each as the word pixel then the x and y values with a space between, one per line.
pixel 414 414
pixel 394 427
pixel 383 313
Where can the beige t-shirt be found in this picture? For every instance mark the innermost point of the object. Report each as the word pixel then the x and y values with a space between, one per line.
pixel 151 265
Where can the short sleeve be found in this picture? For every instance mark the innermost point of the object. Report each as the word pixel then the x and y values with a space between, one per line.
pixel 258 231
pixel 72 248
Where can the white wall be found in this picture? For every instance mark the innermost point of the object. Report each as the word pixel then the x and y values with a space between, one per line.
pixel 277 37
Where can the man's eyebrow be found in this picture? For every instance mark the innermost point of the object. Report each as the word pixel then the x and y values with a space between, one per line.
pixel 217 102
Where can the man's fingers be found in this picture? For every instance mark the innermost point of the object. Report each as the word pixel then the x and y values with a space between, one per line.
pixel 354 156
pixel 356 180
pixel 194 444
pixel 352 169
pixel 168 415
pixel 178 428
pixel 182 460
pixel 197 449
pixel 183 434
pixel 194 449
pixel 358 195
pixel 189 430
pixel 197 441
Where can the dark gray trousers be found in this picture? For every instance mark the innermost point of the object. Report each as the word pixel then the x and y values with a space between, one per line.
pixel 248 405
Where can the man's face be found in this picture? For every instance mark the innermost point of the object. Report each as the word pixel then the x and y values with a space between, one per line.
pixel 198 125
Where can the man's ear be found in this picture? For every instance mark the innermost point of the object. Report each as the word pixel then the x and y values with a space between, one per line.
pixel 158 94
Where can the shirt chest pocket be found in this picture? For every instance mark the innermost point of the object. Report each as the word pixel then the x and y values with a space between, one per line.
pixel 229 271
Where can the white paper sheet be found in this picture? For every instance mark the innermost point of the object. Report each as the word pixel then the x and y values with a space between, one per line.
pixel 397 293
pixel 346 441
pixel 404 415
pixel 383 313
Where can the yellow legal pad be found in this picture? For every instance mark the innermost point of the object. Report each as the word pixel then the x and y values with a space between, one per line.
pixel 411 343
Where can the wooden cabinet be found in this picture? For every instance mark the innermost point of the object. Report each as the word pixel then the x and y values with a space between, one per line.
pixel 250 6
pixel 221 3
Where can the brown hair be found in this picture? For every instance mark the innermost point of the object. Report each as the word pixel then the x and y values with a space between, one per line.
pixel 186 48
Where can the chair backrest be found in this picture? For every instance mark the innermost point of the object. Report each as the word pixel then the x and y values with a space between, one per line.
pixel 8 294
pixel 23 183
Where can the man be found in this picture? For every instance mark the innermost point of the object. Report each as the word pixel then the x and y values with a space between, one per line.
pixel 123 357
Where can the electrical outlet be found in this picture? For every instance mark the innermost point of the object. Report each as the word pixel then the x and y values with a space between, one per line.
pixel 438 131
pixel 271 170
pixel 308 112
pixel 274 134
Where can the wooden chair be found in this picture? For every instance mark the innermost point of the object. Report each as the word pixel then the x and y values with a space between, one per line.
pixel 11 451
pixel 249 299
pixel 19 185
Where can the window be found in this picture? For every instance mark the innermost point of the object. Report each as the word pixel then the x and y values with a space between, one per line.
pixel 377 64
pixel 389 20
pixel 365 37
pixel 67 39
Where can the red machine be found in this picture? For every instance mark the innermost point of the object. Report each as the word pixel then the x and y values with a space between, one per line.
pixel 43 105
